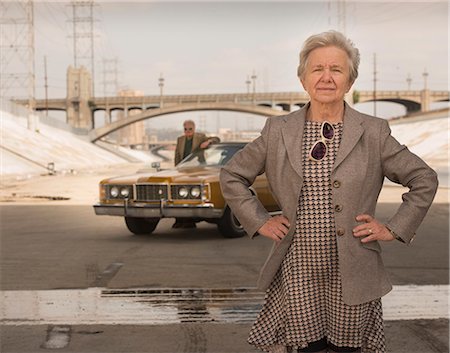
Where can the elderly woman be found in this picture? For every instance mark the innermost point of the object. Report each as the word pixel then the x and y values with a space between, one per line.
pixel 325 164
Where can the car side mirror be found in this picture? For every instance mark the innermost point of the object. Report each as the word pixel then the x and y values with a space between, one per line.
pixel 156 165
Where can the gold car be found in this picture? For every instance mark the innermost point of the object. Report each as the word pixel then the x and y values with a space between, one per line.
pixel 190 191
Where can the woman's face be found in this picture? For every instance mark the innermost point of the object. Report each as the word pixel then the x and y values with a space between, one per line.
pixel 327 75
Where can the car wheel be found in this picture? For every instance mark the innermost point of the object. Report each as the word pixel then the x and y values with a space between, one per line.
pixel 141 225
pixel 229 226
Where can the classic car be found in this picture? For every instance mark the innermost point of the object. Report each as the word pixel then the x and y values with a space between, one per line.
pixel 191 190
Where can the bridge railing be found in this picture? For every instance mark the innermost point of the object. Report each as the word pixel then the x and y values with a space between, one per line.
pixel 190 98
pixel 404 93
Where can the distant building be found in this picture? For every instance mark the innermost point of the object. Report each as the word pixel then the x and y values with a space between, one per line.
pixel 132 135
pixel 153 139
pixel 226 134
pixel 162 135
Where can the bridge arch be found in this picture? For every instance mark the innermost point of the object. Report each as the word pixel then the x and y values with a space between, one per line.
pixel 98 133
pixel 410 105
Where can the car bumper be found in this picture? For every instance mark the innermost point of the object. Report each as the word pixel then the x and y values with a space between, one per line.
pixel 205 211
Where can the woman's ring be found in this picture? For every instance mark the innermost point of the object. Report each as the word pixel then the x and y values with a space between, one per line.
pixel 370 230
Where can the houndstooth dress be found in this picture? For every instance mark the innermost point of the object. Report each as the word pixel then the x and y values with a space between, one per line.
pixel 304 301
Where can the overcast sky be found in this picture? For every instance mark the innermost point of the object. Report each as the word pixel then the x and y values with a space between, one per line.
pixel 211 47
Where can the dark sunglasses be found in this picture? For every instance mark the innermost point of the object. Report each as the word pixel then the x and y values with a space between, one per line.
pixel 320 148
pixel 188 129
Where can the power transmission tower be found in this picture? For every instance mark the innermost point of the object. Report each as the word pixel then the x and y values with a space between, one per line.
pixel 248 83
pixel 46 85
pixel 202 124
pixel 254 77
pixel 408 81
pixel 110 77
pixel 375 84
pixel 341 14
pixel 341 25
pixel 110 83
pixel 17 52
pixel 83 36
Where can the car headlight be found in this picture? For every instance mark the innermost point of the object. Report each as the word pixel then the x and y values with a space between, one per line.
pixel 114 191
pixel 119 192
pixel 183 192
pixel 124 192
pixel 195 192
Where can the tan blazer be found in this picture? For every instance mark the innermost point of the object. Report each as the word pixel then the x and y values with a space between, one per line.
pixel 366 155
pixel 198 139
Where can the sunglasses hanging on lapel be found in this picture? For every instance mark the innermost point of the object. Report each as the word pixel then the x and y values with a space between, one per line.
pixel 319 149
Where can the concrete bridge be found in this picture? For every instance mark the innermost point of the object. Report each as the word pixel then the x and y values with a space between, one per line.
pixel 80 111
pixel 414 101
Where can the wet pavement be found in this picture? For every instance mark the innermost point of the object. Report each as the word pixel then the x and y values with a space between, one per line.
pixel 159 306
pixel 411 336
pixel 74 282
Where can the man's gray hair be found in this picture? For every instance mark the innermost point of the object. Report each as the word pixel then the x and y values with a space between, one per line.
pixel 189 122
pixel 330 39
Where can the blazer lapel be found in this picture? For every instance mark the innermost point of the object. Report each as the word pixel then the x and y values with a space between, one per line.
pixel 292 136
pixel 194 142
pixel 182 144
pixel 351 134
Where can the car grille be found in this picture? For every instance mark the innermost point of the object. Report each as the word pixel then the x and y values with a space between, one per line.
pixel 151 192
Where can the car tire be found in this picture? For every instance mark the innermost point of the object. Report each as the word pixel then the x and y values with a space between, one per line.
pixel 229 226
pixel 140 226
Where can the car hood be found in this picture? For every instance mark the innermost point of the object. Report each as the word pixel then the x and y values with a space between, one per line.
pixel 124 179
pixel 180 175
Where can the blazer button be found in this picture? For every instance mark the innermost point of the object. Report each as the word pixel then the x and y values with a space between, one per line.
pixel 340 232
pixel 336 184
pixel 338 208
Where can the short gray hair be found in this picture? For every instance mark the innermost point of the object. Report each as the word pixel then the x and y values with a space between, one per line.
pixel 189 122
pixel 330 39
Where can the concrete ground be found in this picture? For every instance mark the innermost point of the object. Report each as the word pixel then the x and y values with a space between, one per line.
pixel 51 240
pixel 413 336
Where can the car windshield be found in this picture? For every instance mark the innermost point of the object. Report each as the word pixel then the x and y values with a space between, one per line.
pixel 216 155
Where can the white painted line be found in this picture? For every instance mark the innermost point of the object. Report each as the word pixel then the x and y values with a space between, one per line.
pixel 78 307
pixel 168 306
pixel 411 302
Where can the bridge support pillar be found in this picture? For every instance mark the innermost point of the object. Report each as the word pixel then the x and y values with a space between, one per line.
pixel 79 93
pixel 107 116
pixel 425 100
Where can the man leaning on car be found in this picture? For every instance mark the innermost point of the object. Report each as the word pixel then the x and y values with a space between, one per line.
pixel 186 144
pixel 191 141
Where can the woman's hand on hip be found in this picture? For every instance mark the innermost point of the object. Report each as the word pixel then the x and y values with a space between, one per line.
pixel 275 228
pixel 371 229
